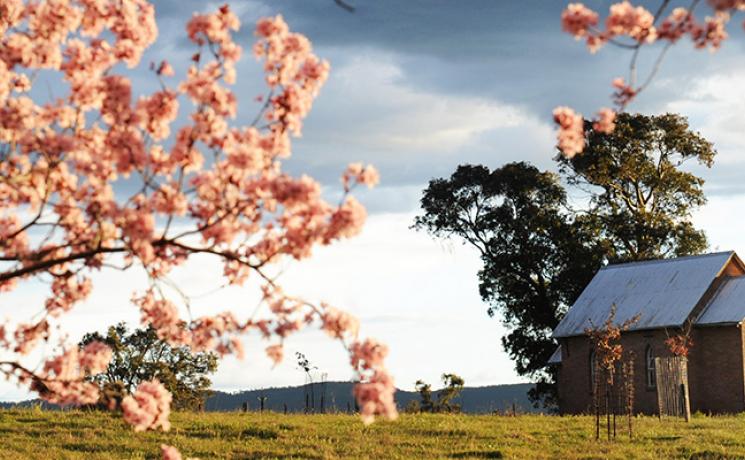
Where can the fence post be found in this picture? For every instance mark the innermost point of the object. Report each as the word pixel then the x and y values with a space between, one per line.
pixel 686 402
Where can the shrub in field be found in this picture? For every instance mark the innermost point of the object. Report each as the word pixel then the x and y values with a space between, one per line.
pixel 139 356
pixel 100 179
pixel 452 386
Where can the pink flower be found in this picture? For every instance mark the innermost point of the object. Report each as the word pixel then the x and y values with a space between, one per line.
pixel 339 324
pixel 375 392
pixel 624 93
pixel 578 20
pixel 724 5
pixel 678 23
pixel 606 121
pixel 712 33
pixel 267 27
pixel 636 22
pixel 62 380
pixel 149 407
pixel 356 172
pixel 162 315
pixel 67 159
pixel 275 353
pixel 375 396
pixel 169 452
pixel 165 69
pixel 156 113
pixel 95 357
pixel 347 221
pixel 368 355
pixel 571 136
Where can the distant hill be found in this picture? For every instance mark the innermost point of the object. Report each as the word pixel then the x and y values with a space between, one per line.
pixel 337 396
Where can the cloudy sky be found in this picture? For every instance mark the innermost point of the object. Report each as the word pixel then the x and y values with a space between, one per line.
pixel 418 87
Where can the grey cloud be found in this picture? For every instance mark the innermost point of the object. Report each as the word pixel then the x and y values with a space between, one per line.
pixel 501 52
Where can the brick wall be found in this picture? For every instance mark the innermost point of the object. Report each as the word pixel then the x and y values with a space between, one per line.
pixel 716 372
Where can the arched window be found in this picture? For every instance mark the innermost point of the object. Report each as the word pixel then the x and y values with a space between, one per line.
pixel 651 372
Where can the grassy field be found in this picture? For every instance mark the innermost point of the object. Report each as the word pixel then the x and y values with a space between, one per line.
pixel 77 435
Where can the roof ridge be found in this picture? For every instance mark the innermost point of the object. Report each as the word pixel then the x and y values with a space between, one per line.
pixel 659 261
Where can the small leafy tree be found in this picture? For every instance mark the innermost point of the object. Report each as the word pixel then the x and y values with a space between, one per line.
pixel 680 344
pixel 452 386
pixel 425 393
pixel 608 353
pixel 140 356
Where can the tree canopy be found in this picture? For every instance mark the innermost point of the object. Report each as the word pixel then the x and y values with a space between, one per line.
pixel 452 387
pixel 630 200
pixel 140 356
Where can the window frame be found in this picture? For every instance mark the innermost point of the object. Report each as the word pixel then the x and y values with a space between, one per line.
pixel 650 368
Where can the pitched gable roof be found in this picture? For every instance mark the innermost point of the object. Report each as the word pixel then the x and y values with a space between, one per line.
pixel 727 305
pixel 662 292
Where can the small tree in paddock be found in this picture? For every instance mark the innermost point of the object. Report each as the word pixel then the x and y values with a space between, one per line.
pixel 607 354
pixel 140 356
pixel 426 404
pixel 452 386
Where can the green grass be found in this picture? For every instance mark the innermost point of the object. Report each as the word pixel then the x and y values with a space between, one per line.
pixel 77 435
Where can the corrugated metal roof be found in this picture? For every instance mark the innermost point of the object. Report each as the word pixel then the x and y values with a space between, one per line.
pixel 662 292
pixel 555 357
pixel 727 305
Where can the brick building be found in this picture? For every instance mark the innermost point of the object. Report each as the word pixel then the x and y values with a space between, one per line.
pixel 707 291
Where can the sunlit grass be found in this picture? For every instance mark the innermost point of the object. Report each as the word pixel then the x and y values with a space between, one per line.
pixel 85 435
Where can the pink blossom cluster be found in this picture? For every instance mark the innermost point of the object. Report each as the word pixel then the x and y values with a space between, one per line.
pixel 209 187
pixel 169 452
pixel 624 93
pixel 289 65
pixel 638 23
pixel 210 333
pixel 578 20
pixel 276 353
pixel 727 5
pixel 339 324
pixel 27 336
pixel 376 389
pixel 605 122
pixel 62 379
pixel 709 34
pixel 635 22
pixel 623 20
pixel 149 407
pixel 360 174
pixel 571 135
pixel 67 291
